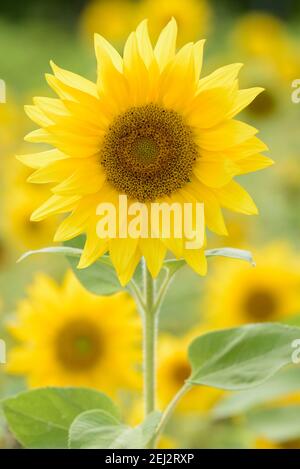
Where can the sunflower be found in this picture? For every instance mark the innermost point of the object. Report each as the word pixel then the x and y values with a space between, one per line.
pixel 11 125
pixel 19 203
pixel 240 294
pixel 272 102
pixel 24 232
pixel 149 129
pixel 288 177
pixel 264 443
pixel 174 370
pixel 265 36
pixel 68 336
pixel 192 16
pixel 112 18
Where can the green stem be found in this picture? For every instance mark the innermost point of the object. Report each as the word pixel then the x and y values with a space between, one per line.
pixel 149 302
pixel 150 333
pixel 170 408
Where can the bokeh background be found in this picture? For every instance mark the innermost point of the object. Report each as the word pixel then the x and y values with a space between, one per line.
pixel 265 36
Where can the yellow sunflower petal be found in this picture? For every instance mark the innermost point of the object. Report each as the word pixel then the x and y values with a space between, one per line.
pixel 154 252
pixel 198 57
pixel 173 90
pixel 39 136
pixel 38 160
pixel 196 260
pixel 215 172
pixel 216 102
pixel 223 76
pixel 94 248
pixel 76 182
pixel 76 222
pixel 135 71
pixel 242 99
pixel 234 197
pixel 37 116
pixel 54 205
pixel 122 251
pixel 144 43
pixel 53 172
pixel 74 81
pixel 226 135
pixel 165 47
pixel 126 274
pixel 111 81
pixel 104 48
pixel 254 163
pixel 212 211
pixel 247 148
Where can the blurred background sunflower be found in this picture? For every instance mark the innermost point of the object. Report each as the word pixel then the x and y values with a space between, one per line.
pixel 57 333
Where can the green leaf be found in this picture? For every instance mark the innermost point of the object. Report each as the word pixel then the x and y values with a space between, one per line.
pixel 96 429
pixel 41 418
pixel 62 250
pixel 283 383
pixel 175 264
pixel 278 424
pixel 242 357
pixel 99 278
pixel 172 265
pixel 232 253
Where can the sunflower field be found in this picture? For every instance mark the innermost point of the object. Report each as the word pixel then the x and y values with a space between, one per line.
pixel 149 237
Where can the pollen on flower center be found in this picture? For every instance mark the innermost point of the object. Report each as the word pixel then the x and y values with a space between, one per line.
pixel 78 346
pixel 148 152
pixel 145 150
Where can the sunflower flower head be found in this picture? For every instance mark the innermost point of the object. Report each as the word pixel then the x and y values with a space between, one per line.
pixel 151 128
pixel 270 292
pixel 174 369
pixel 65 336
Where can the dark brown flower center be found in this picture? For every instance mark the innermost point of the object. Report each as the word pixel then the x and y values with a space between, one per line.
pixel 261 305
pixel 148 152
pixel 264 105
pixel 79 346
pixel 181 372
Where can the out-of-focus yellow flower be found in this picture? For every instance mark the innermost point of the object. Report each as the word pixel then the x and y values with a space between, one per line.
pixel 264 443
pixel 149 129
pixel 240 232
pixel 174 369
pixel 260 34
pixel 11 126
pixel 237 293
pixel 67 336
pixel 266 37
pixel 193 17
pixel 288 174
pixel 24 233
pixel 276 92
pixel 167 442
pixel 4 252
pixel 112 19
pixel 20 200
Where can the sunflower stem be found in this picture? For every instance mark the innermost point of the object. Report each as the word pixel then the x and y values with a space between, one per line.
pixel 150 333
pixel 170 409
